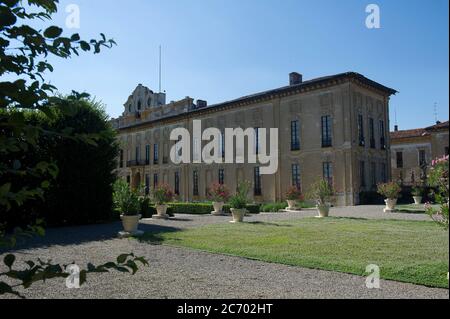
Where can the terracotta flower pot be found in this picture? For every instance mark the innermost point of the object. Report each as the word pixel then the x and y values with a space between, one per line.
pixel 238 215
pixel 324 210
pixel 130 223
pixel 292 204
pixel 218 208
pixel 161 212
pixel 390 205
pixel 417 200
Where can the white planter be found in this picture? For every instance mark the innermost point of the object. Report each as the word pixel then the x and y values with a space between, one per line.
pixel 218 208
pixel 417 200
pixel 292 205
pixel 324 210
pixel 161 212
pixel 390 205
pixel 130 223
pixel 238 215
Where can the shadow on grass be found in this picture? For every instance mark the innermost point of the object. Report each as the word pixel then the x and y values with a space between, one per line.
pixel 268 224
pixel 154 234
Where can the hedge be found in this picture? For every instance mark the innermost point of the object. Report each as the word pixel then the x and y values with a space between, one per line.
pixel 148 209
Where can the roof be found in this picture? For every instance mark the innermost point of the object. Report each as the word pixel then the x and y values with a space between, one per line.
pixel 282 91
pixel 419 132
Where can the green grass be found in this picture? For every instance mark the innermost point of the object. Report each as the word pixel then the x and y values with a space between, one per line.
pixel 407 251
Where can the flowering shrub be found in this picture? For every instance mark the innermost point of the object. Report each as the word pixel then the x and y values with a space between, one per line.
pixel 438 177
pixel 322 192
pixel 293 193
pixel 219 193
pixel 162 194
pixel 390 190
pixel 240 200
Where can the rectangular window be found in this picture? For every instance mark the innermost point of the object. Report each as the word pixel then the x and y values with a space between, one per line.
pixel 147 155
pixel 446 151
pixel 362 173
pixel 327 140
pixel 382 135
pixel 361 138
pixel 138 154
pixel 121 159
pixel 195 177
pixel 399 159
pixel 372 133
pixel 221 176
pixel 257 146
pixel 222 144
pixel 296 176
pixel 147 184
pixel 257 183
pixel 373 174
pixel 128 179
pixel 156 154
pixel 422 158
pixel 328 172
pixel 155 180
pixel 295 136
pixel 177 183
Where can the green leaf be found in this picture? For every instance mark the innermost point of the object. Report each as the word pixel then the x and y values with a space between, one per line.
pixel 122 258
pixel 9 260
pixel 53 32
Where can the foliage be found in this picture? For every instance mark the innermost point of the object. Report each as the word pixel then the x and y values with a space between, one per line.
pixel 162 194
pixel 294 193
pixel 240 199
pixel 44 270
pixel 219 193
pixel 273 207
pixel 417 190
pixel 126 201
pixel 438 177
pixel 390 190
pixel 23 58
pixel 81 192
pixel 23 64
pixel 322 192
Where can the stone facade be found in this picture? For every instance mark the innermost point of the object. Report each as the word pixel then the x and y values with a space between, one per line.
pixel 414 150
pixel 335 127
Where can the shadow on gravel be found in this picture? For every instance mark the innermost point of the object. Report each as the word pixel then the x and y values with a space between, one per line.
pixel 68 236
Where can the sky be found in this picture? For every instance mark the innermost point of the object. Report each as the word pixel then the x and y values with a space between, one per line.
pixel 219 50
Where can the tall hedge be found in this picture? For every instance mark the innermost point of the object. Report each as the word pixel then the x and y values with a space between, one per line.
pixel 81 193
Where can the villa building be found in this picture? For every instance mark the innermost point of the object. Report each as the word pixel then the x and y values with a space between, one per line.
pixel 334 127
pixel 414 150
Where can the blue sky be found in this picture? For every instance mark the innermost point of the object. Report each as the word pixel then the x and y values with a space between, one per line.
pixel 223 49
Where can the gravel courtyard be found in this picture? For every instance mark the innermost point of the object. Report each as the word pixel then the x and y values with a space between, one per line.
pixel 188 274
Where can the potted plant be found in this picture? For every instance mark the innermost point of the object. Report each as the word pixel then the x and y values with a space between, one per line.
pixel 391 191
pixel 293 196
pixel 162 195
pixel 219 194
pixel 239 202
pixel 127 202
pixel 417 193
pixel 323 193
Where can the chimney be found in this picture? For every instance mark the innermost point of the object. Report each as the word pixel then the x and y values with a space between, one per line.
pixel 201 104
pixel 396 128
pixel 295 78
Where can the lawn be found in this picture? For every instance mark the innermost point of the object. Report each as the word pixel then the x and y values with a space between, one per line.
pixel 407 251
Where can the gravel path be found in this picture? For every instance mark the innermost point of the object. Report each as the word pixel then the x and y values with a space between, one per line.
pixel 188 274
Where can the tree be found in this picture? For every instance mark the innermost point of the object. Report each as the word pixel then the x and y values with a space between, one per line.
pixel 23 63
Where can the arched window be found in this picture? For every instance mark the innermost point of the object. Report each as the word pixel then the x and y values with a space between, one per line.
pixel 130 108
pixel 139 106
pixel 149 102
